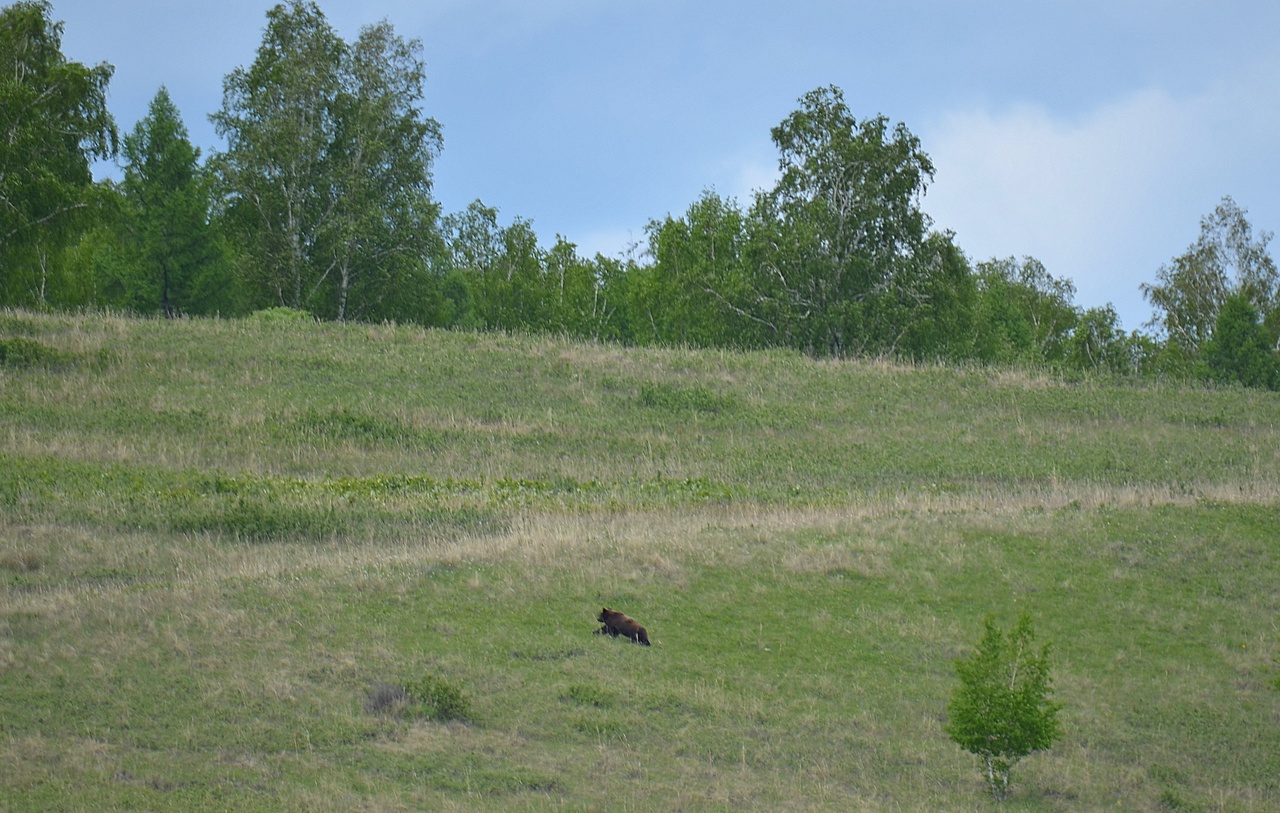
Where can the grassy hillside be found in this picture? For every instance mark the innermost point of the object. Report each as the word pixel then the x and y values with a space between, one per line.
pixel 225 546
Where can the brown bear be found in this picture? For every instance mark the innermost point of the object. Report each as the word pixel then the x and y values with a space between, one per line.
pixel 615 624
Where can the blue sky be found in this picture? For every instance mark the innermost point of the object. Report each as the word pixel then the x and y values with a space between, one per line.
pixel 1092 135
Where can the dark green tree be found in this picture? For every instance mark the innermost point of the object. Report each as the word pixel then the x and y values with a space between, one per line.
pixel 1028 313
pixel 524 290
pixel 181 261
pixel 612 279
pixel 471 268
pixel 1003 708
pixel 581 304
pixel 502 267
pixel 384 223
pixel 1003 333
pixel 276 117
pixel 1239 351
pixel 53 122
pixel 935 301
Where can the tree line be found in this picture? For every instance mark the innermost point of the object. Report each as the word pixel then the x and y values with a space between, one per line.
pixel 321 201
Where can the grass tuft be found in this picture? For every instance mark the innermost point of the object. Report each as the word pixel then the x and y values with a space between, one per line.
pixel 438 699
pixel 23 561
pixel 386 698
pixel 20 353
pixel 253 519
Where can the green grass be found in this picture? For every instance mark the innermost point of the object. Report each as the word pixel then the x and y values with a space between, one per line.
pixel 245 564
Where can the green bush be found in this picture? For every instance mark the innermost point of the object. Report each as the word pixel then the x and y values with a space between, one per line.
pixel 434 698
pixel 18 352
pixel 1240 351
pixel 1002 710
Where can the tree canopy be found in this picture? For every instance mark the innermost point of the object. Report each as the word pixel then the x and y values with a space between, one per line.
pixel 327 171
pixel 1239 351
pixel 179 257
pixel 53 122
pixel 1225 260
pixel 843 226
pixel 322 201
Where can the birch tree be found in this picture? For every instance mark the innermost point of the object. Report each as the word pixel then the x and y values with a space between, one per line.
pixel 384 221
pixel 842 223
pixel 327 171
pixel 1226 259
pixel 53 122
pixel 1003 708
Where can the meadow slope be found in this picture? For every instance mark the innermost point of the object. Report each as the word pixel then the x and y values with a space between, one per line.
pixel 224 543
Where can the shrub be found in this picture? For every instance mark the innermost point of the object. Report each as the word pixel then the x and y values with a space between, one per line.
pixel 18 352
pixel 1002 710
pixel 434 698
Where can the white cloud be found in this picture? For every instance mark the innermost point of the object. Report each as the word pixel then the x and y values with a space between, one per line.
pixel 1109 197
pixel 1080 196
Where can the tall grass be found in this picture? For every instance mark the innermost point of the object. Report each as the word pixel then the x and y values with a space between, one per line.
pixel 235 552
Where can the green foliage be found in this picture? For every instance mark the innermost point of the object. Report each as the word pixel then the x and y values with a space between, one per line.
pixel 938 306
pixel 435 698
pixel 1026 313
pixel 1003 710
pixel 1225 260
pixel 281 315
pixel 327 173
pixel 54 121
pixel 838 235
pixel 427 698
pixel 836 259
pixel 1096 344
pixel 503 269
pixel 18 352
pixel 698 291
pixel 1239 351
pixel 322 203
pixel 497 277
pixel 182 266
